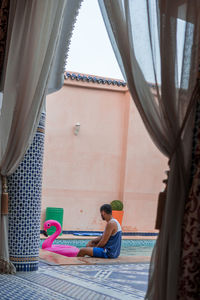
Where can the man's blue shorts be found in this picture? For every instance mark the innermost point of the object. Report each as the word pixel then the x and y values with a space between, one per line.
pixel 99 252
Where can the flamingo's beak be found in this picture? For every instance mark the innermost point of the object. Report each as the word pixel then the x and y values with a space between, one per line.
pixel 45 233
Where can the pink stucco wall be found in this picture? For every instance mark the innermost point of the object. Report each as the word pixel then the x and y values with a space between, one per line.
pixel 112 157
pixel 145 166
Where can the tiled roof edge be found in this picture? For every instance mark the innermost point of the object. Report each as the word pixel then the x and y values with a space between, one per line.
pixel 94 79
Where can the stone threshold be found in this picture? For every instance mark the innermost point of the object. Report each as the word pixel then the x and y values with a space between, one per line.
pixel 57 259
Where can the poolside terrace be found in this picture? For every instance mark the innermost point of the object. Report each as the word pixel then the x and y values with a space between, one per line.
pixel 55 281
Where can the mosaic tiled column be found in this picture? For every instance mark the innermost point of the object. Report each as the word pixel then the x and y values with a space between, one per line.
pixel 25 188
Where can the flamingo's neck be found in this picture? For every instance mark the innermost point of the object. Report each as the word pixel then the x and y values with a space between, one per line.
pixel 49 241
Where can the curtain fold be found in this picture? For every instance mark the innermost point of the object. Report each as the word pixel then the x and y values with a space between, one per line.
pixel 157 47
pixel 33 39
pixel 56 78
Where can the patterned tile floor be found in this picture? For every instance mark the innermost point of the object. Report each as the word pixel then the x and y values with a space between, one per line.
pixel 91 282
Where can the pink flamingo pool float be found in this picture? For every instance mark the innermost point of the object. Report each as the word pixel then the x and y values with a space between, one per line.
pixel 65 250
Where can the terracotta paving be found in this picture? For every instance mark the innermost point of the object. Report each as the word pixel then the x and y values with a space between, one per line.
pixel 63 260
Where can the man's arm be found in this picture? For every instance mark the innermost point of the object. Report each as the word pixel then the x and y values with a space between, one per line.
pixel 106 235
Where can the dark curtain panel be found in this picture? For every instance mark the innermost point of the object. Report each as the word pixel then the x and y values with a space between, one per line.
pixel 189 279
pixel 4 14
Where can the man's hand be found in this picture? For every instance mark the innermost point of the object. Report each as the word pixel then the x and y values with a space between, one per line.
pixel 94 242
pixel 91 244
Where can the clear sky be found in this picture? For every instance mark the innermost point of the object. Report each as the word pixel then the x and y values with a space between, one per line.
pixel 90 51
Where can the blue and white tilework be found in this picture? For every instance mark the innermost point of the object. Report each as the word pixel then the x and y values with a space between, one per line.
pixel 25 187
pixel 88 282
pixel 96 233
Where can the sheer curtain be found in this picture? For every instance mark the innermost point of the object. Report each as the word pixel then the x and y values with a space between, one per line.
pixel 157 47
pixel 35 38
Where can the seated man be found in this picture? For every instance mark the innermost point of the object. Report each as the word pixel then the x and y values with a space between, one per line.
pixel 109 244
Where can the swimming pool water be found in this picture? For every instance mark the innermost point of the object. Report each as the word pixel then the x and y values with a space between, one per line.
pixel 136 251
pixel 129 247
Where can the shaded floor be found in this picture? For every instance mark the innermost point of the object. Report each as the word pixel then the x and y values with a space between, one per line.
pixel 91 282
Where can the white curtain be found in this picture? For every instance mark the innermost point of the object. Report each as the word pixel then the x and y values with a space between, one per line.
pixel 157 47
pixel 36 45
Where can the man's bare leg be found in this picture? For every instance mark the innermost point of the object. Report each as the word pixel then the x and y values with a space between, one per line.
pixel 85 251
